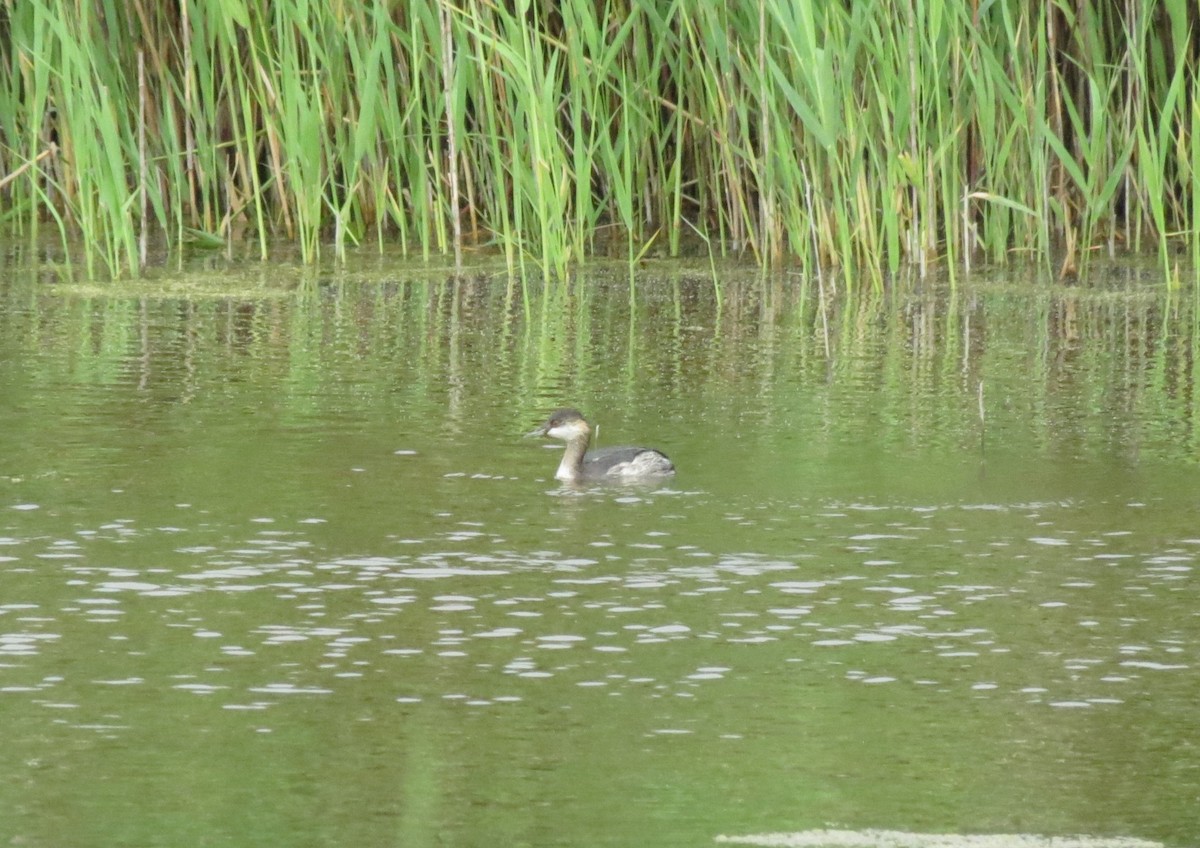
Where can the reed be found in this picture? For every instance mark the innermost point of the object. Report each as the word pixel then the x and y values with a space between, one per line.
pixel 860 135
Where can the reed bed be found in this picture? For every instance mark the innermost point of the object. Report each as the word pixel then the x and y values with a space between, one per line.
pixel 857 135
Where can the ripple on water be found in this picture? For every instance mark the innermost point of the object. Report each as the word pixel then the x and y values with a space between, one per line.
pixel 289 689
pixel 24 644
pixel 394 600
pixel 623 607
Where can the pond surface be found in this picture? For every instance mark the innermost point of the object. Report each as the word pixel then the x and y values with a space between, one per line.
pixel 278 568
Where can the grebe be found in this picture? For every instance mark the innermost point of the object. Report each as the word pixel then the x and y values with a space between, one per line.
pixel 578 463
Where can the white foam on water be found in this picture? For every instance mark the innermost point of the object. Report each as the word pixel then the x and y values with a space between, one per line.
pixel 901 839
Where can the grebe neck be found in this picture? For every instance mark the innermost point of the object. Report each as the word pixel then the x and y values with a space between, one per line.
pixel 571 467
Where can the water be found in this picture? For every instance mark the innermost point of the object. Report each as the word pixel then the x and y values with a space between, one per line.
pixel 278 568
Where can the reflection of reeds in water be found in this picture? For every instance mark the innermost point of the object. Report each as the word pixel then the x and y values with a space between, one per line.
pixel 1076 367
pixel 861 135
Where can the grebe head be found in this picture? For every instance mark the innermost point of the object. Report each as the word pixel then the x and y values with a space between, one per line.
pixel 566 424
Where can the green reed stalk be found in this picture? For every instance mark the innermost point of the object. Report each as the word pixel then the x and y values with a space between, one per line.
pixel 1193 176
pixel 585 51
pixel 488 149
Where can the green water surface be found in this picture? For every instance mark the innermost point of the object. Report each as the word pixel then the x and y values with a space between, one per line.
pixel 278 568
